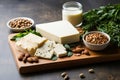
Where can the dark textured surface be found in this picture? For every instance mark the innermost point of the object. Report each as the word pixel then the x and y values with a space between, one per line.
pixel 46 11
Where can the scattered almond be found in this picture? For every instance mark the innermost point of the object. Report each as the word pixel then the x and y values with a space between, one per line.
pixel 86 52
pixel 78 54
pixel 63 74
pixel 35 59
pixel 29 59
pixel 81 75
pixel 20 57
pixel 91 71
pixel 24 59
pixel 27 55
pixel 77 50
pixel 66 77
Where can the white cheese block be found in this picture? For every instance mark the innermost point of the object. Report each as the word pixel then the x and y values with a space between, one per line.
pixel 29 43
pixel 46 51
pixel 60 50
pixel 59 31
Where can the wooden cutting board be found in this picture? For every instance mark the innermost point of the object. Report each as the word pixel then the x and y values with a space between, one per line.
pixel 109 54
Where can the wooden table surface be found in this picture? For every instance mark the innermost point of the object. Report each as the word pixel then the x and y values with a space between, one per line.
pixel 46 11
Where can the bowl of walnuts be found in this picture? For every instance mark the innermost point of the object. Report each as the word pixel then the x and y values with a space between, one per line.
pixel 20 24
pixel 96 40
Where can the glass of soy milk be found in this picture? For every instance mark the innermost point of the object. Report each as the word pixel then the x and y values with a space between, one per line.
pixel 72 11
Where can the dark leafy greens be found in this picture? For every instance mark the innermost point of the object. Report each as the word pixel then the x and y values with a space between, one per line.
pixel 106 19
pixel 22 34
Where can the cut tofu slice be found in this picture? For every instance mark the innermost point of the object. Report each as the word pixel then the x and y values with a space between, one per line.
pixel 59 31
pixel 26 46
pixel 43 53
pixel 46 51
pixel 29 43
pixel 49 45
pixel 60 50
pixel 35 39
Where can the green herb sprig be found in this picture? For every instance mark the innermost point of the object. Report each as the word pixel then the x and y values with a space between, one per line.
pixel 22 34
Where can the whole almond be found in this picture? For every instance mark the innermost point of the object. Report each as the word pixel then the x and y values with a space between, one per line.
pixel 24 59
pixel 22 54
pixel 29 59
pixel 27 55
pixel 78 54
pixel 86 52
pixel 20 57
pixel 63 74
pixel 78 50
pixel 35 59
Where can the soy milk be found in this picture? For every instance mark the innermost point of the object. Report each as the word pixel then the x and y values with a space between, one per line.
pixel 72 11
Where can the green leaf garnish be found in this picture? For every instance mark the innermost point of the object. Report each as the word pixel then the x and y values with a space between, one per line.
pixel 20 35
pixel 54 58
pixel 69 53
pixel 67 47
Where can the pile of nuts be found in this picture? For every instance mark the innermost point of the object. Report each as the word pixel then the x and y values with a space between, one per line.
pixel 25 57
pixel 20 23
pixel 80 51
pixel 96 38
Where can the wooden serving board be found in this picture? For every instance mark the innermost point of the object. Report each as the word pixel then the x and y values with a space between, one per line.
pixel 109 54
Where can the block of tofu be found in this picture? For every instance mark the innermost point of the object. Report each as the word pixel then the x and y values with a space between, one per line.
pixel 59 31
pixel 60 50
pixel 29 43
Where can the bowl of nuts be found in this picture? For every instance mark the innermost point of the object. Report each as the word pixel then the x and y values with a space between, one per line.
pixel 20 24
pixel 96 40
